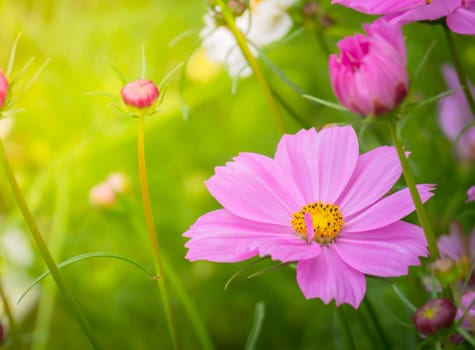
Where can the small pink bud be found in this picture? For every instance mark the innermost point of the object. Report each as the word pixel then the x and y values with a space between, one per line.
pixel 3 88
pixel 140 93
pixel 434 316
pixel 369 77
pixel 102 195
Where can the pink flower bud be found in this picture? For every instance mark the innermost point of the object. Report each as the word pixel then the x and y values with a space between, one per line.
pixel 3 88
pixel 140 93
pixel 434 316
pixel 102 195
pixel 370 77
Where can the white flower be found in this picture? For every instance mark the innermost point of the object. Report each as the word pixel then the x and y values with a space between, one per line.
pixel 265 22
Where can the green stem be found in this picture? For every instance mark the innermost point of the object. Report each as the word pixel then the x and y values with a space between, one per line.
pixel 458 68
pixel 45 253
pixel 346 328
pixel 8 311
pixel 420 211
pixel 147 206
pixel 242 43
pixel 374 319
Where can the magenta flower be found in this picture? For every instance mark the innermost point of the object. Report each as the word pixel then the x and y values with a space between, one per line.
pixel 459 14
pixel 455 114
pixel 370 77
pixel 318 203
pixel 3 88
pixel 456 245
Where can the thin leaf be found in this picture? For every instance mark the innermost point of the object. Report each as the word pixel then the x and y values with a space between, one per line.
pixel 22 71
pixel 169 74
pixel 11 60
pixel 404 299
pixel 117 71
pixel 324 102
pixel 238 272
pixel 256 328
pixel 466 335
pixel 32 80
pixel 181 36
pixel 425 57
pixel 83 257
pixel 269 269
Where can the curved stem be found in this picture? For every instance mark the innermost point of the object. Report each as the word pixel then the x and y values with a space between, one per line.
pixel 147 206
pixel 458 68
pixel 45 253
pixel 242 42
pixel 420 211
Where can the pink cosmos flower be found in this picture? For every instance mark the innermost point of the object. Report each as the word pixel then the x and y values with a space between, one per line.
pixel 318 203
pixel 455 114
pixel 370 77
pixel 3 88
pixel 456 245
pixel 460 14
pixel 470 194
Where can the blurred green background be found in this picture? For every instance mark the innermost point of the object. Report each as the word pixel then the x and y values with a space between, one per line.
pixel 65 142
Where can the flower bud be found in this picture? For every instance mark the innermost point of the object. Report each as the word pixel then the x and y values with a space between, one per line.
pixel 434 316
pixel 103 195
pixel 2 333
pixel 3 88
pixel 140 94
pixel 370 76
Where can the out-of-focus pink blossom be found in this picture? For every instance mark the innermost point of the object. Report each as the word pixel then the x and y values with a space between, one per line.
pixel 319 203
pixel 455 114
pixel 466 311
pixel 459 14
pixel 369 77
pixel 470 194
pixel 3 88
pixel 140 93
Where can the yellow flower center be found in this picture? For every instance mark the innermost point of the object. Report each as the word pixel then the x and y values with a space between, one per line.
pixel 325 219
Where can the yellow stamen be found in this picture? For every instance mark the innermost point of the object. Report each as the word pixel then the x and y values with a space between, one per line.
pixel 326 219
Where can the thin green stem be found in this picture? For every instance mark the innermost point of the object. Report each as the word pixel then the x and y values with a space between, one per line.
pixel 458 68
pixel 8 311
pixel 147 205
pixel 242 42
pixel 346 328
pixel 374 319
pixel 45 253
pixel 420 210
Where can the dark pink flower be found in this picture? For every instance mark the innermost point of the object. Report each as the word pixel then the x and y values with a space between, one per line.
pixel 3 88
pixel 318 203
pixel 140 93
pixel 455 114
pixel 369 77
pixel 459 14
pixel 435 315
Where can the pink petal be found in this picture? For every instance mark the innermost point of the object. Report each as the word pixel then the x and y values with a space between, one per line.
pixel 376 173
pixel 298 154
pixel 223 237
pixel 452 245
pixel 328 277
pixel 385 252
pixel 462 20
pixel 255 187
pixel 379 7
pixel 386 211
pixel 337 155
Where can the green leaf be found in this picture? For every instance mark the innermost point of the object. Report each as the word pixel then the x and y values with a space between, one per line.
pixel 256 328
pixel 83 257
